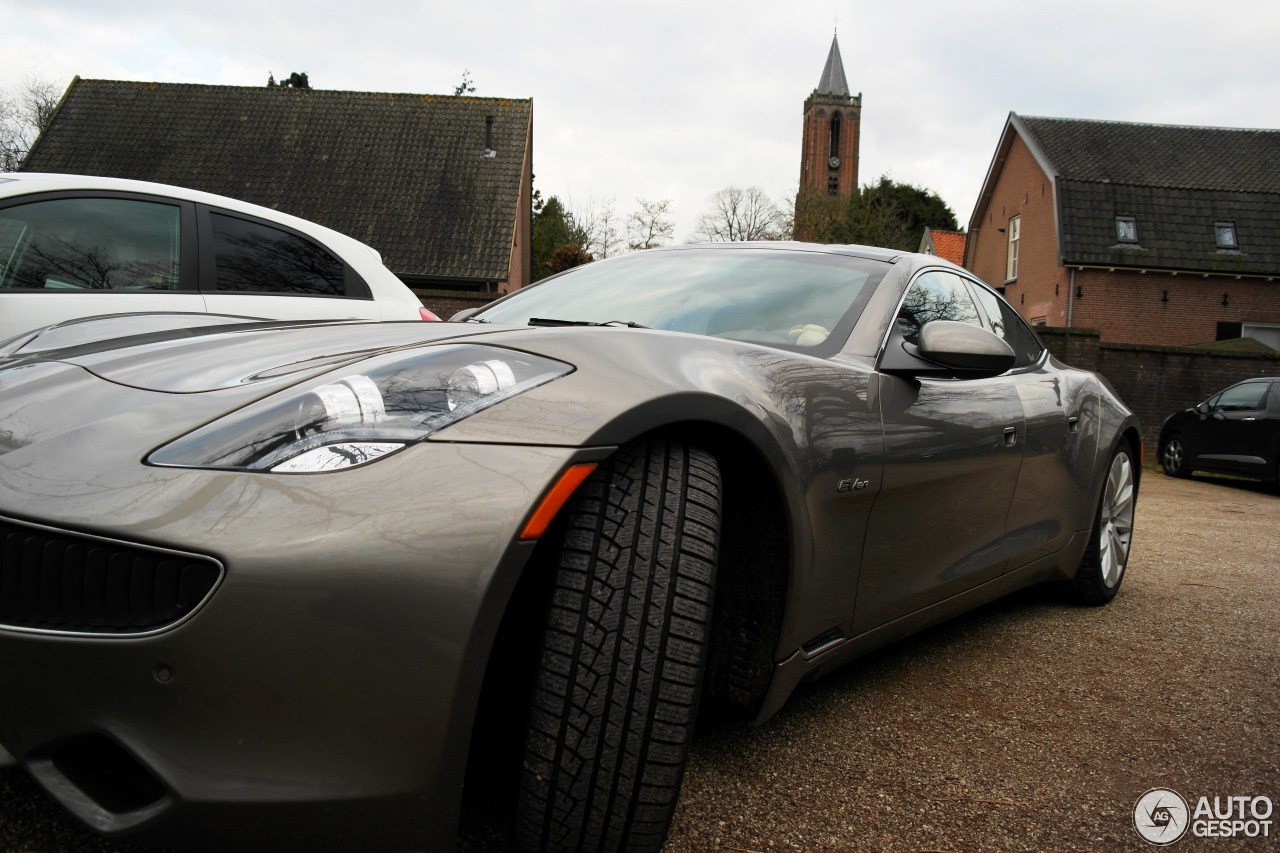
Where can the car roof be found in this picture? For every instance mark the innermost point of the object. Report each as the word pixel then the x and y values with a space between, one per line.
pixel 15 184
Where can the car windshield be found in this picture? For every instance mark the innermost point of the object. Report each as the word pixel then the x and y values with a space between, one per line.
pixel 805 300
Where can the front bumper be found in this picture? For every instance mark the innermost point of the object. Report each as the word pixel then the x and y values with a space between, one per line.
pixel 322 697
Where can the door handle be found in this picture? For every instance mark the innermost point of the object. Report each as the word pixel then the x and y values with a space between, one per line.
pixel 1073 424
pixel 1010 436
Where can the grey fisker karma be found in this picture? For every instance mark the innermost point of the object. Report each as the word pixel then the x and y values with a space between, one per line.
pixel 306 585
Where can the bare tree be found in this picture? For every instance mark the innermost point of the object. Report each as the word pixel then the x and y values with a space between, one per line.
pixel 23 117
pixel 650 226
pixel 738 214
pixel 594 225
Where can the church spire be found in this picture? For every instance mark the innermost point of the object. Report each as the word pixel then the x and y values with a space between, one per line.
pixel 833 82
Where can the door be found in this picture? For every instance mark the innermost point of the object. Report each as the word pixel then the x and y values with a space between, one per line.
pixel 1235 434
pixel 952 449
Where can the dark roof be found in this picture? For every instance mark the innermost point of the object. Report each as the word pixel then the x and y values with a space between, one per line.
pixel 833 82
pixel 1176 182
pixel 405 173
pixel 1159 155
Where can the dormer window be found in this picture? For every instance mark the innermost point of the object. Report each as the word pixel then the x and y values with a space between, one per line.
pixel 1126 229
pixel 1225 234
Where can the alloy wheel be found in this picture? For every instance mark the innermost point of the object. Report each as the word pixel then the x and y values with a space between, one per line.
pixel 1117 520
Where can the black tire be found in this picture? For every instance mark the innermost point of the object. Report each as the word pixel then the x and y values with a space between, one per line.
pixel 1174 458
pixel 1105 559
pixel 623 651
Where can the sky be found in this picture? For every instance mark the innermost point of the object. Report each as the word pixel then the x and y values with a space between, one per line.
pixel 676 100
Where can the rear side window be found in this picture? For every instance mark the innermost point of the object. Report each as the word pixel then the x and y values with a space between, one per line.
pixel 1006 323
pixel 90 244
pixel 256 258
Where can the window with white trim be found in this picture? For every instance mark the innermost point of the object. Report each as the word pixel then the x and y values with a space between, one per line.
pixel 1011 263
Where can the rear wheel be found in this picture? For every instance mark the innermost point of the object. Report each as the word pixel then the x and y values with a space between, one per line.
pixel 1173 457
pixel 1102 568
pixel 623 649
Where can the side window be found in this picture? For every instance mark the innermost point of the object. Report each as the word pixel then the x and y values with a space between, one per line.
pixel 935 296
pixel 1248 397
pixel 1006 323
pixel 250 256
pixel 90 244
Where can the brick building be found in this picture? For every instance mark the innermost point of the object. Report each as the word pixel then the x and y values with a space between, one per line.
pixel 441 186
pixel 1151 234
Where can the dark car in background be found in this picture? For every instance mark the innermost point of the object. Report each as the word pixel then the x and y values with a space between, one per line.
pixel 1236 431
pixel 285 584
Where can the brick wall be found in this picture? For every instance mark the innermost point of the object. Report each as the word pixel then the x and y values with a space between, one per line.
pixel 446 303
pixel 1173 310
pixel 1156 381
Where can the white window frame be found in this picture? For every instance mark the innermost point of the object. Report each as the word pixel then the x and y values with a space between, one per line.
pixel 1011 257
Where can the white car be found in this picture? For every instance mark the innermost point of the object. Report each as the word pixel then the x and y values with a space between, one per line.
pixel 75 246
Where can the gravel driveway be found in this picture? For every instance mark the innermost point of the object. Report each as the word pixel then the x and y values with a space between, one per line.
pixel 1028 725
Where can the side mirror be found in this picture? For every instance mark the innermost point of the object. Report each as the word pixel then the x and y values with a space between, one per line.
pixel 965 347
pixel 464 314
pixel 948 348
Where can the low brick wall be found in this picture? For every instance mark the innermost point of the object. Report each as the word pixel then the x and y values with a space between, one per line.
pixel 445 303
pixel 1156 381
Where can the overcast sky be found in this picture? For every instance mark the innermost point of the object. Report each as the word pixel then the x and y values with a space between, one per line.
pixel 679 99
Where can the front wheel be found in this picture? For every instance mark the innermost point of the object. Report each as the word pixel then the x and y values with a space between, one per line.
pixel 1173 457
pixel 1102 568
pixel 623 650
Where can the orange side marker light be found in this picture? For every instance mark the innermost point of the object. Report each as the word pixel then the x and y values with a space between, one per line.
pixel 555 499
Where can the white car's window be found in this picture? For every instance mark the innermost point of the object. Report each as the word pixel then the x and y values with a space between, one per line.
pixel 256 258
pixel 90 244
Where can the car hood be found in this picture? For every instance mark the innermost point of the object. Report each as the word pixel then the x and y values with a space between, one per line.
pixel 195 360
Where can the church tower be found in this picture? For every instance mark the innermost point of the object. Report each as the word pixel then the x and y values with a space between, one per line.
pixel 829 151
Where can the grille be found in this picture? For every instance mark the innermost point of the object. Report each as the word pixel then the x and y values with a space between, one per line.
pixel 53 580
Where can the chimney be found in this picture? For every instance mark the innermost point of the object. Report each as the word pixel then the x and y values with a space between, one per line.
pixel 488 137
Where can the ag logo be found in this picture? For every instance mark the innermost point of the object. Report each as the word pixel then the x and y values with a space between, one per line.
pixel 1161 816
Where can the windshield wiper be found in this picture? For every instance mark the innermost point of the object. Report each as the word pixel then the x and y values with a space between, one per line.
pixel 550 321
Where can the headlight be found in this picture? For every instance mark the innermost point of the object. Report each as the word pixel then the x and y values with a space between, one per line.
pixel 348 418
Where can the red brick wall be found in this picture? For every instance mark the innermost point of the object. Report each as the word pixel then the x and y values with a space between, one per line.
pixel 1129 307
pixel 445 303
